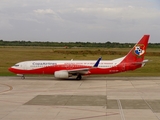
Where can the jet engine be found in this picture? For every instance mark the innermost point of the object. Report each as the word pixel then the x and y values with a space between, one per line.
pixel 61 74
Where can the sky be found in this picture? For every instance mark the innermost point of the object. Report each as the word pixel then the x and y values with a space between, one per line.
pixel 80 20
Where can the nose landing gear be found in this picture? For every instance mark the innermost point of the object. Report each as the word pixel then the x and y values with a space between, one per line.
pixel 21 75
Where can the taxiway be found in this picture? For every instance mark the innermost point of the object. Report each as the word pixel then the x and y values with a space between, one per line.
pixel 102 98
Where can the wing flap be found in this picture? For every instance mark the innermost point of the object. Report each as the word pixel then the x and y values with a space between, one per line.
pixel 79 71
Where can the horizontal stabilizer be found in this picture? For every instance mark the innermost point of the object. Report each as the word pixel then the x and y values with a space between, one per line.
pixel 143 62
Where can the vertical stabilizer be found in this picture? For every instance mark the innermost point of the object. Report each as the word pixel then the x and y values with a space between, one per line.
pixel 136 54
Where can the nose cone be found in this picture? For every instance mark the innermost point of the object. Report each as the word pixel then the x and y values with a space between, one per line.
pixel 11 69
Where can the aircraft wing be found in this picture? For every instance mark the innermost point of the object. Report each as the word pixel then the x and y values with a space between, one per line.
pixel 83 71
pixel 79 71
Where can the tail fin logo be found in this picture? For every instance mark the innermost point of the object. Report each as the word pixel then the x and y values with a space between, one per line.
pixel 139 49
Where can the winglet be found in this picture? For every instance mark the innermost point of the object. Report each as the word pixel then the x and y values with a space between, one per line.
pixel 97 63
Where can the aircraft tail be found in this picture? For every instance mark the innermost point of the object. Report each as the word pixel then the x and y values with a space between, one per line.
pixel 136 54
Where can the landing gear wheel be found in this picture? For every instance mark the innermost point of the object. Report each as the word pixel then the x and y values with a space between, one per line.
pixel 23 77
pixel 79 77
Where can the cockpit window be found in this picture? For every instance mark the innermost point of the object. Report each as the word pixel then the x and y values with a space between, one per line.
pixel 16 65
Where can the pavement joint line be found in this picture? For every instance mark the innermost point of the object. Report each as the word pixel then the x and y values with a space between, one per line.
pixel 9 112
pixel 57 113
pixel 149 105
pixel 144 100
pixel 87 110
pixel 90 117
pixel 151 109
pixel 121 109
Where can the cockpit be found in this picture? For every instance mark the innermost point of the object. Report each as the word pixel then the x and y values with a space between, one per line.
pixel 17 65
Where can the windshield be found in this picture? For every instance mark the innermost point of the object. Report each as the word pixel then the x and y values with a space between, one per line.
pixel 16 65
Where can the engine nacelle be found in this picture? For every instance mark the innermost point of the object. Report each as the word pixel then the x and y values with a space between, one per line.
pixel 61 74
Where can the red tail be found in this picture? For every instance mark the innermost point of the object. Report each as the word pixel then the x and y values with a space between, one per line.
pixel 136 54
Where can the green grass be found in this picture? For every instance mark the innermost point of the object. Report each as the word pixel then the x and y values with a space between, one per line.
pixel 11 55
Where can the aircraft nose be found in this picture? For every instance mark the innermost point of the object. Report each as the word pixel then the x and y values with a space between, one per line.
pixel 10 69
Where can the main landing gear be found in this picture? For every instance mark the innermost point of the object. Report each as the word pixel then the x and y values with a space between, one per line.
pixel 22 77
pixel 79 77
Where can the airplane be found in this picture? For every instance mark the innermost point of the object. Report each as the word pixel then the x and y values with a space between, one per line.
pixel 64 69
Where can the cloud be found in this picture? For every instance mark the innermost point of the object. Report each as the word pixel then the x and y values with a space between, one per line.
pixel 44 11
pixel 79 20
pixel 5 24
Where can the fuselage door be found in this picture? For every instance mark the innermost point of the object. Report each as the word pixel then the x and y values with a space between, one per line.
pixel 23 66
